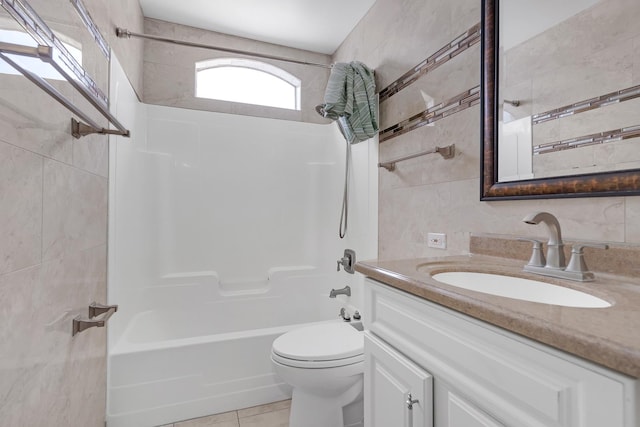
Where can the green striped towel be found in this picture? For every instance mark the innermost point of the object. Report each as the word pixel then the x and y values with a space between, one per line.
pixel 350 98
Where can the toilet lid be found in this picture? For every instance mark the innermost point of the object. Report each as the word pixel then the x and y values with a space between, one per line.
pixel 327 341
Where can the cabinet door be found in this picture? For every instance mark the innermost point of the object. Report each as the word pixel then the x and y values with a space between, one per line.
pixel 392 382
pixel 453 409
pixel 517 381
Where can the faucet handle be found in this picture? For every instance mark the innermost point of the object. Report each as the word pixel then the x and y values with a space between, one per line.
pixel 348 261
pixel 578 247
pixel 537 257
pixel 577 262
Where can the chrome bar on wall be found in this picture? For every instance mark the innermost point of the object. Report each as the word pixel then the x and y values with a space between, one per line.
pixel 447 152
pixel 38 52
pixel 45 54
pixel 27 17
pixel 93 29
pixel 125 34
pixel 52 51
pixel 80 324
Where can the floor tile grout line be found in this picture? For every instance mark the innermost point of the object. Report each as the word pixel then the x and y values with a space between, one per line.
pixel 237 414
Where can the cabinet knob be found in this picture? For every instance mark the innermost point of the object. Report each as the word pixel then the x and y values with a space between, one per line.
pixel 410 401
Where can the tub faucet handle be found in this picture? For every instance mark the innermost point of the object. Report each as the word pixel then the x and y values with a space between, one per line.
pixel 347 261
pixel 345 315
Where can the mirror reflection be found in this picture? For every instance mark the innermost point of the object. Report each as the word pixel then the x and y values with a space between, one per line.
pixel 569 87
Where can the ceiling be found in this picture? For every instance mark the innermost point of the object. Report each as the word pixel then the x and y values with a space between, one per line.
pixel 315 25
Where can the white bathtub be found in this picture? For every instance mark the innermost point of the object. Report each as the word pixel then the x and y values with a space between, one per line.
pixel 181 363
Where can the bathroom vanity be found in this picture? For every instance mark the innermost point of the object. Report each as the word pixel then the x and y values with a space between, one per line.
pixel 437 355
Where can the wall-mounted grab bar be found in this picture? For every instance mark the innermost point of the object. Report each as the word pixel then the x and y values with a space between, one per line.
pixel 447 152
pixel 95 309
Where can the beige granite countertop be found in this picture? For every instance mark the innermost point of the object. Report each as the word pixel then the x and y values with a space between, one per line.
pixel 606 336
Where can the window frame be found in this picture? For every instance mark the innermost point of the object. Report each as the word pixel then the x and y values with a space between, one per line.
pixel 254 65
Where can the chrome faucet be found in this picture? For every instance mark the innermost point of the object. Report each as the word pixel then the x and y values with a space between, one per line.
pixel 344 314
pixel 344 291
pixel 348 261
pixel 555 251
pixel 555 265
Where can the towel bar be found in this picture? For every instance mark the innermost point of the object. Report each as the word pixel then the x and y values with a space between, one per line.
pixel 95 309
pixel 52 51
pixel 45 53
pixel 447 152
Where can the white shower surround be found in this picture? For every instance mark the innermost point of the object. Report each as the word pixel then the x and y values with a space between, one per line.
pixel 223 235
pixel 212 356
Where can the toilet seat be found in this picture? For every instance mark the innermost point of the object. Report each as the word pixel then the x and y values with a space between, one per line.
pixel 311 364
pixel 320 346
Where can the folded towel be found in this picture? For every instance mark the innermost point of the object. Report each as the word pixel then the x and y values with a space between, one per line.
pixel 350 99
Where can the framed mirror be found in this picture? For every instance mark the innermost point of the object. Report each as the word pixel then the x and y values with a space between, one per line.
pixel 560 99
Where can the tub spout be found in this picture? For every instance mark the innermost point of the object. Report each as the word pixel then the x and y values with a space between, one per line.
pixel 344 291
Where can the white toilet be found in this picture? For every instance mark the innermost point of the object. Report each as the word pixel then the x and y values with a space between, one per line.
pixel 324 365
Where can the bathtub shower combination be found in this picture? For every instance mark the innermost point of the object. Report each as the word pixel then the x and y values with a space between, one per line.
pixel 179 363
pixel 222 237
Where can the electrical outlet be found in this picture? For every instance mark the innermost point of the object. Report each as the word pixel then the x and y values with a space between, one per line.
pixel 437 240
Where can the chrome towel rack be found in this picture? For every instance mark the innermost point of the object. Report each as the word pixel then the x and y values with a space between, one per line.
pixel 52 51
pixel 447 152
pixel 45 53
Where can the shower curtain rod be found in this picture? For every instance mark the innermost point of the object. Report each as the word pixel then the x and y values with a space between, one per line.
pixel 126 34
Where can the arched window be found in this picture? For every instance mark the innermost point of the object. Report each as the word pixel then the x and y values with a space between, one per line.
pixel 247 81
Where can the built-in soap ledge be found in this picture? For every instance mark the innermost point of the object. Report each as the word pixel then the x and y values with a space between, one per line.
pixel 620 259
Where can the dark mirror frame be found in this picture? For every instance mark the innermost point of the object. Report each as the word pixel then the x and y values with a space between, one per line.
pixel 615 183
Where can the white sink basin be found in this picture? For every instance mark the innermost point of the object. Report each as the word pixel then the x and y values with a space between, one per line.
pixel 519 288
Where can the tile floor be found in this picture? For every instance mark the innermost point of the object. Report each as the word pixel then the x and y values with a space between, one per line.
pixel 271 415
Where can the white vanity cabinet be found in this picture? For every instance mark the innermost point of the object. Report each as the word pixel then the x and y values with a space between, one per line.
pixel 466 373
